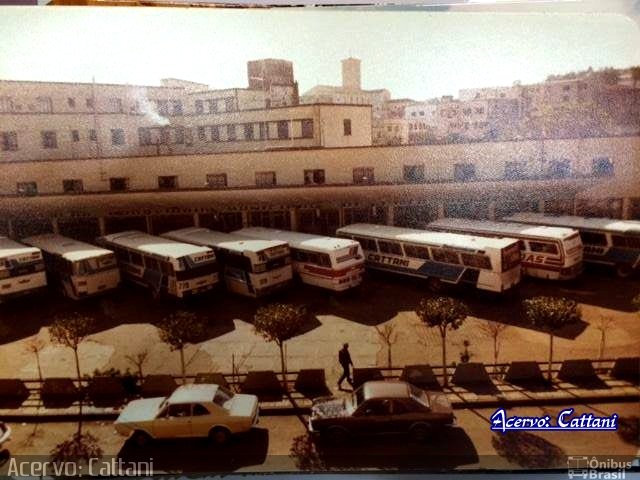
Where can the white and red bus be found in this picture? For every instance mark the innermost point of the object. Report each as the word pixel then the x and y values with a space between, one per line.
pixel 553 253
pixel 164 266
pixel 606 241
pixel 252 267
pixel 491 264
pixel 80 269
pixel 328 262
pixel 21 269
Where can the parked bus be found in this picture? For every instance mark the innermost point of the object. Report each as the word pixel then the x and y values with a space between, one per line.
pixel 553 253
pixel 328 262
pixel 163 265
pixel 491 264
pixel 80 269
pixel 252 267
pixel 606 241
pixel 21 269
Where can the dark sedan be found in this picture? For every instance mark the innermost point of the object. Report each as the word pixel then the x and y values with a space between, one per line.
pixel 381 407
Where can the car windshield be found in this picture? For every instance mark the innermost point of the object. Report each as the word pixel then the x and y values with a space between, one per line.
pixel 419 395
pixel 222 396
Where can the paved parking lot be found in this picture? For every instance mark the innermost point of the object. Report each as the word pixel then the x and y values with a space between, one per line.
pixel 280 443
pixel 125 319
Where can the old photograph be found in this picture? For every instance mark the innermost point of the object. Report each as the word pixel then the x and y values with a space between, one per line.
pixel 318 240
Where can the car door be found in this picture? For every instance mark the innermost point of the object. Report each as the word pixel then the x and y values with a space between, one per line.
pixel 201 420
pixel 406 412
pixel 175 422
pixel 372 417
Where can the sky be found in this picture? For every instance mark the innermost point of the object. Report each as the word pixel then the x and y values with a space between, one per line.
pixel 415 55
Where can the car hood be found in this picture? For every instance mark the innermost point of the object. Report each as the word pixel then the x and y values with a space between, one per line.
pixel 243 405
pixel 329 407
pixel 140 410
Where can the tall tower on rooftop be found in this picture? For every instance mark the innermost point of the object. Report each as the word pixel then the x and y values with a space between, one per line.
pixel 351 73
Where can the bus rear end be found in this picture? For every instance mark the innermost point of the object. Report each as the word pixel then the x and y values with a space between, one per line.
pixel 271 271
pixel 348 267
pixel 195 274
pixel 94 275
pixel 572 252
pixel 21 274
pixel 510 260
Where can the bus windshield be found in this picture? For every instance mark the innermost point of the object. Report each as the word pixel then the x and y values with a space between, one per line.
pixel 190 272
pixel 347 254
pixel 96 264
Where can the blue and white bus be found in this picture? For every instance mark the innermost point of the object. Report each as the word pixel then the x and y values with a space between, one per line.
pixel 606 241
pixel 491 264
pixel 251 267
pixel 164 266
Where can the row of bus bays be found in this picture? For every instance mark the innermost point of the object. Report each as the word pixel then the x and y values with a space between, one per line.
pixel 256 261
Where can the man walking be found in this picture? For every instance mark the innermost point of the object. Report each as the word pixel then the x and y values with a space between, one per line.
pixel 345 361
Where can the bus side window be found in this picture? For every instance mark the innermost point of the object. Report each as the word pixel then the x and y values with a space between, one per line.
pixel 633 242
pixel 445 256
pixel 122 255
pixel 594 238
pixel 390 247
pixel 151 264
pixel 417 252
pixel 366 243
pixel 543 247
pixel 136 258
pixel 619 241
pixel 299 255
pixel 166 268
pixel 476 260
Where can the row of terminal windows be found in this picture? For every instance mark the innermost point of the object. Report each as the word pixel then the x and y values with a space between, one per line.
pixel 361 175
pixel 180 135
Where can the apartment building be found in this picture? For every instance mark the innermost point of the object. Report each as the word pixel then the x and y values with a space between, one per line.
pixel 275 78
pixel 48 120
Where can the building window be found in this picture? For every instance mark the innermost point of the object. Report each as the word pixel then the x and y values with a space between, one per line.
pixel 27 188
pixel 559 169
pixel 117 136
pixel 118 184
pixel 248 131
pixel 9 141
pixel 176 107
pixel 49 139
pixel 215 133
pixel 162 107
pixel 169 182
pixel 314 177
pixel 229 104
pixel 144 136
pixel 263 131
pixel 602 167
pixel 283 129
pixel 178 136
pixel 75 136
pixel 217 180
pixel 414 173
pixel 464 172
pixel 363 175
pixel 213 105
pixel 71 102
pixel 93 136
pixel 480 110
pixel 202 133
pixel 115 105
pixel 90 103
pixel 72 186
pixel 265 179
pixel 307 128
pixel 514 170
pixel 346 126
pixel 231 132
pixel 199 107
pixel 44 104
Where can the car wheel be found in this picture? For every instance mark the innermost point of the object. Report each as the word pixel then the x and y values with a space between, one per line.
pixel 336 435
pixel 219 435
pixel 624 270
pixel 420 432
pixel 140 438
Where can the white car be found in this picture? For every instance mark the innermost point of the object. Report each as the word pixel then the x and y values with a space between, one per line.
pixel 5 433
pixel 195 410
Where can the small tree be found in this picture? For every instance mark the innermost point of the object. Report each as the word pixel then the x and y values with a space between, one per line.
pixel 278 323
pixel 178 330
pixel 388 337
pixel 603 324
pixel 35 346
pixel 550 314
pixel 138 360
pixel 494 331
pixel 443 313
pixel 71 332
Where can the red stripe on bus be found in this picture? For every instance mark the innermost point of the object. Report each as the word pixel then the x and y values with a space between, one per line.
pixel 329 272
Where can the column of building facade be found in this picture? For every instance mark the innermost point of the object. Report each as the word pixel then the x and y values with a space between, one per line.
pixel 293 219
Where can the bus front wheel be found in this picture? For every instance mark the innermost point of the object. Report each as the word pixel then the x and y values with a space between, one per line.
pixel 624 270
